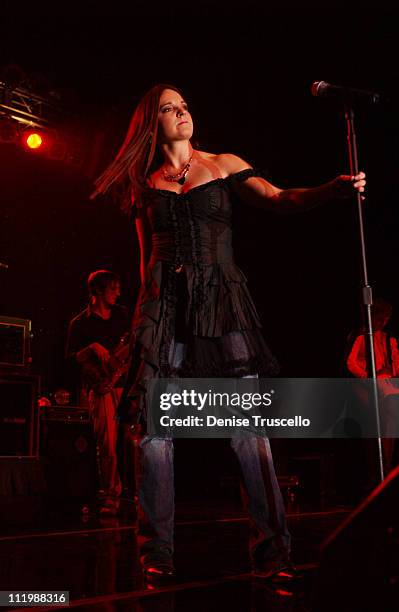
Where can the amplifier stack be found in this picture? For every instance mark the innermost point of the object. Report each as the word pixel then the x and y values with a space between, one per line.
pixel 19 391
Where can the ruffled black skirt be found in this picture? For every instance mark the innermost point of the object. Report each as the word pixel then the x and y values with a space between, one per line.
pixel 216 324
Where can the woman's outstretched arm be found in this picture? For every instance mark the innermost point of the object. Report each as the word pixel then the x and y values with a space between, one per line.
pixel 259 192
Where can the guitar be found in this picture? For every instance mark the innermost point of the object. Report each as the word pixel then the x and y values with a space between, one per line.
pixel 102 378
pixel 387 383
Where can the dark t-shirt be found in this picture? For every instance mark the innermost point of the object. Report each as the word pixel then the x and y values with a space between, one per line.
pixel 88 327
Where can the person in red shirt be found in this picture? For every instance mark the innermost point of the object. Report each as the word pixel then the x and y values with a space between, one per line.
pixel 387 367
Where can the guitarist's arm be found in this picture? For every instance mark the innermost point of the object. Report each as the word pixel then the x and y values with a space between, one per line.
pixel 78 354
pixel 98 349
pixel 395 357
pixel 356 361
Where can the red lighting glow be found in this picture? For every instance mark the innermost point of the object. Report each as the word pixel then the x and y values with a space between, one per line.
pixel 34 140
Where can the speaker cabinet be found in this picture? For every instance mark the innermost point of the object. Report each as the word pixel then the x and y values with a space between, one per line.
pixel 19 414
pixel 68 451
pixel 14 343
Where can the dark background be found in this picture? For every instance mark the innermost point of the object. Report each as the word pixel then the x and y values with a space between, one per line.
pixel 247 74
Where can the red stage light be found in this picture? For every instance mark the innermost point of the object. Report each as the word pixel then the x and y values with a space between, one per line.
pixel 34 140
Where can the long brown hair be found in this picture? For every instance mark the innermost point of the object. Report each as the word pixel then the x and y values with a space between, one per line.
pixel 127 173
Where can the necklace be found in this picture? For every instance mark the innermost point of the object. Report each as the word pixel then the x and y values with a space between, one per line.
pixel 180 177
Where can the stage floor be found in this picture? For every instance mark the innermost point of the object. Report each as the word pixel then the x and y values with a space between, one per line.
pixel 97 561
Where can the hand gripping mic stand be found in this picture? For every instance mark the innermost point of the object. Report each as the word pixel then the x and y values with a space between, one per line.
pixel 367 299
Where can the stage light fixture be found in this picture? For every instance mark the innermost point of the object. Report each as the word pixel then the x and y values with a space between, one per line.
pixel 34 140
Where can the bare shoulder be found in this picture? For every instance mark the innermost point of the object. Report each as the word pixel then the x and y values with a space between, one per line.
pixel 227 163
pixel 230 164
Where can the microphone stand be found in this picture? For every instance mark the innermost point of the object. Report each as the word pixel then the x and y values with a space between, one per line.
pixel 367 298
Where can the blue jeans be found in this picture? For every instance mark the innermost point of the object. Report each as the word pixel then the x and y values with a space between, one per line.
pixel 269 536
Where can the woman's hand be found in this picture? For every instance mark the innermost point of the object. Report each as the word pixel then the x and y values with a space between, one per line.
pixel 345 186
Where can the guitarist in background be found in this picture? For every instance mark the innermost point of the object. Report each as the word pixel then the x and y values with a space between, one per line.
pixel 96 337
pixel 387 366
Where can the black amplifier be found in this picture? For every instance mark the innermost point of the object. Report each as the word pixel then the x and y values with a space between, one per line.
pixel 66 414
pixel 14 343
pixel 69 454
pixel 19 415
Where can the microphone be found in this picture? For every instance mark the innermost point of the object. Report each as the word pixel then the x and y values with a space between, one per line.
pixel 348 94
